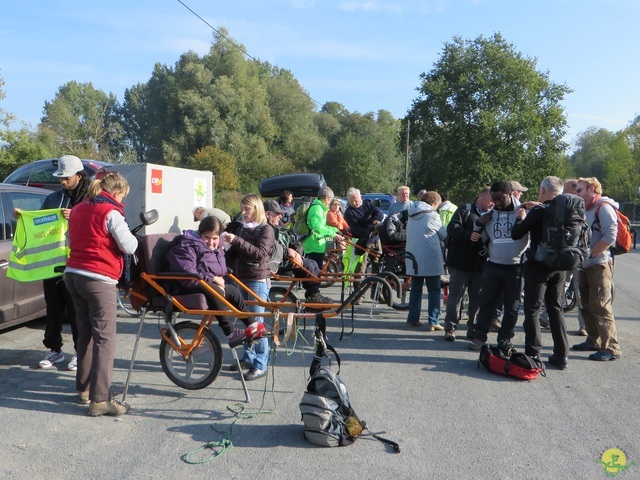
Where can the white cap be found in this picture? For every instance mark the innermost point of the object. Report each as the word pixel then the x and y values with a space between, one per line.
pixel 68 165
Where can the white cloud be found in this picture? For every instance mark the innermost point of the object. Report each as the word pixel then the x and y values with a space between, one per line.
pixel 371 6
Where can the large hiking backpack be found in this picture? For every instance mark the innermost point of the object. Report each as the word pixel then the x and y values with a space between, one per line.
pixel 329 419
pixel 512 363
pixel 624 238
pixel 565 234
pixel 300 226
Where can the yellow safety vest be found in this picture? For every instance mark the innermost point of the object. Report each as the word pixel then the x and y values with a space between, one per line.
pixel 39 246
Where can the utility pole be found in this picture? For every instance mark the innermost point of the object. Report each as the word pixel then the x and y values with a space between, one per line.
pixel 406 160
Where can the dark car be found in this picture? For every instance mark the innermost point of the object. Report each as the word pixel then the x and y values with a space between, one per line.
pixel 385 200
pixel 40 173
pixel 19 301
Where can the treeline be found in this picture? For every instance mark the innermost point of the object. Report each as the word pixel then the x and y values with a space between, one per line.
pixel 483 112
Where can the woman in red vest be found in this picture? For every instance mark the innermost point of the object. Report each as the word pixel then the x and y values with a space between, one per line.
pixel 98 235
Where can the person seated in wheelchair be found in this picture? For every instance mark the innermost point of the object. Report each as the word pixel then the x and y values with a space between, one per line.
pixel 200 252
pixel 393 229
pixel 287 255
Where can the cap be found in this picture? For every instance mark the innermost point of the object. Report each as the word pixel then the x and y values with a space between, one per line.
pixel 68 165
pixel 195 219
pixel 516 186
pixel 273 206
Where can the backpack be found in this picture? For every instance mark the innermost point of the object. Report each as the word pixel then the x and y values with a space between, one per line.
pixel 624 238
pixel 300 226
pixel 328 417
pixel 565 234
pixel 511 363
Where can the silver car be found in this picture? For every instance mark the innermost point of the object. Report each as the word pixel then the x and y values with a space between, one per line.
pixel 19 301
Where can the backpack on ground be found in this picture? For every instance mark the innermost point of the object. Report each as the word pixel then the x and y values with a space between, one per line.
pixel 300 226
pixel 512 363
pixel 565 234
pixel 624 238
pixel 328 417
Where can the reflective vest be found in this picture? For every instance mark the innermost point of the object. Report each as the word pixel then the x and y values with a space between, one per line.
pixel 39 246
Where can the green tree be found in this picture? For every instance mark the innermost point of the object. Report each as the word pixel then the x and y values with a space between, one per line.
pixel 593 147
pixel 83 121
pixel 484 112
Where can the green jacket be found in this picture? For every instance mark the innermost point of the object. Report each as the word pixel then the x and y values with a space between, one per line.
pixel 316 242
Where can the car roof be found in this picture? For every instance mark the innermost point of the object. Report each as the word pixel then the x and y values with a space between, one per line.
pixel 11 187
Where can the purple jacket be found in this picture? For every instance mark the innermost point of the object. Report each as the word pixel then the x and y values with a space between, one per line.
pixel 191 255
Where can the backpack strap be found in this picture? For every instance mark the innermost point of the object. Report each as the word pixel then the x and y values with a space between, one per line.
pixel 321 345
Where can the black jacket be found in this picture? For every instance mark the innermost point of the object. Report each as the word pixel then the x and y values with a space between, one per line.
pixel 462 253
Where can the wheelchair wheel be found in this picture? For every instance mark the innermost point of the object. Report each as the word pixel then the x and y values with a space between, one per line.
pixel 124 302
pixel 569 300
pixel 203 365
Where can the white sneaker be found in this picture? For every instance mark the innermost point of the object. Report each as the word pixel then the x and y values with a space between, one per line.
pixel 51 358
pixel 72 366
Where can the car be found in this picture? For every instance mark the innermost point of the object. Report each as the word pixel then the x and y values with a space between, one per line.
pixel 40 173
pixel 20 302
pixel 385 200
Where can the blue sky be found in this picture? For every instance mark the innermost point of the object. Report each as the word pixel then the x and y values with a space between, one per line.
pixel 365 54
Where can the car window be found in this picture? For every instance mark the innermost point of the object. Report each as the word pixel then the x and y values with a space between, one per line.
pixel 35 173
pixel 21 200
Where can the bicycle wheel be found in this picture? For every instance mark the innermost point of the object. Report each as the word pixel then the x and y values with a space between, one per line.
pixel 124 302
pixel 280 295
pixel 332 269
pixel 203 365
pixel 569 300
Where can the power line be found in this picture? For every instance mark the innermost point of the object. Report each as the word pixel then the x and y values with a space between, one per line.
pixel 233 43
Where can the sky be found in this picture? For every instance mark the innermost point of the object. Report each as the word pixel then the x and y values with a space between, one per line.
pixel 364 54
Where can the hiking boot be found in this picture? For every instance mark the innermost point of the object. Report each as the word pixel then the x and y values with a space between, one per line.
pixel 51 358
pixel 72 366
pixel 561 363
pixel 584 347
pixel 495 325
pixel 113 408
pixel 603 356
pixel 254 374
pixel 450 335
pixel 476 344
pixel 582 332
pixel 243 365
pixel 237 337
pixel 319 298
pixel 255 330
pixel 83 398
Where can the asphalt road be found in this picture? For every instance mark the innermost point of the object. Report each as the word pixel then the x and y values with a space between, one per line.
pixel 452 419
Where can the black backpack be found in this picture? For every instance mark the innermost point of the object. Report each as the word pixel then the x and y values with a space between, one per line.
pixel 329 419
pixel 565 234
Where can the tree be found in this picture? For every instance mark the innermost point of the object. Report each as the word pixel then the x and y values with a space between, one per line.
pixel 83 121
pixel 5 117
pixel 484 112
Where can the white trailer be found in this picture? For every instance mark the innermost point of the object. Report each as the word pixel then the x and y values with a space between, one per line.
pixel 173 191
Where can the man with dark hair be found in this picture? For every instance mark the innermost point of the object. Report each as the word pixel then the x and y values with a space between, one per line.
pixel 465 260
pixel 541 283
pixel 503 272
pixel 74 190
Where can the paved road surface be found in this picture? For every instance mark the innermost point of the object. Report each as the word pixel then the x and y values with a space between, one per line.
pixel 452 419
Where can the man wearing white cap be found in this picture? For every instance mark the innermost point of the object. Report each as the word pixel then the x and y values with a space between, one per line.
pixel 74 190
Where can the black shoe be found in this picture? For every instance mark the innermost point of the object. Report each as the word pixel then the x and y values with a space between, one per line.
pixel 505 345
pixel 584 347
pixel 561 363
pixel 244 365
pixel 254 374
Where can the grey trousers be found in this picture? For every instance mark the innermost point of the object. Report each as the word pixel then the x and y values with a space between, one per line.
pixel 96 313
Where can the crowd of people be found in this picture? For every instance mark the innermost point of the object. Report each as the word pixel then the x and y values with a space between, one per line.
pixel 487 247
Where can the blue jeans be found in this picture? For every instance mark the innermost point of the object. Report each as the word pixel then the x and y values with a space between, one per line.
pixel 258 353
pixel 415 299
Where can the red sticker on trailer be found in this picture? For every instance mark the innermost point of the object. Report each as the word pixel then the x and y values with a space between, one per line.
pixel 156 180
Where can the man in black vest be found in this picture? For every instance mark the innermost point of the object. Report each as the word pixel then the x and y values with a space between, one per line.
pixel 540 283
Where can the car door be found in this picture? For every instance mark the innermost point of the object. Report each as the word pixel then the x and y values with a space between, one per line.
pixel 19 301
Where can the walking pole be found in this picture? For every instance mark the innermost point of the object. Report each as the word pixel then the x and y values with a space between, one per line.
pixel 133 355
